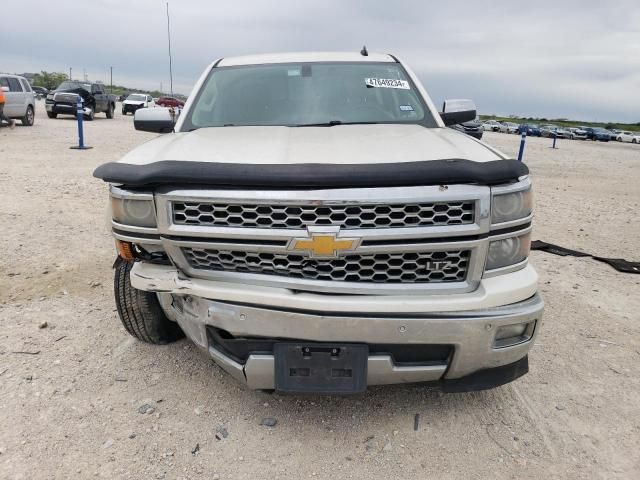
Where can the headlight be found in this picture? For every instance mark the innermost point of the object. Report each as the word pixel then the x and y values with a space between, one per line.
pixel 508 251
pixel 511 206
pixel 135 212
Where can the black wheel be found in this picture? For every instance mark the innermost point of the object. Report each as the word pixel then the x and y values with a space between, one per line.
pixel 140 312
pixel 634 141
pixel 52 115
pixel 29 117
pixel 91 115
pixel 110 111
pixel 124 112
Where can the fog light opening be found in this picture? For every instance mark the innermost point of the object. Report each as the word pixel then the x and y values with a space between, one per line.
pixel 508 335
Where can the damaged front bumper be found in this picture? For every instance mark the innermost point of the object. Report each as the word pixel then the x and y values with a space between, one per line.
pixel 460 349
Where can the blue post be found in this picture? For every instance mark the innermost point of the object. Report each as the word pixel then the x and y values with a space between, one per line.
pixel 80 116
pixel 521 152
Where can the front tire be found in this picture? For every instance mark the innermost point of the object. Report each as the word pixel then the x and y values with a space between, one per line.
pixel 110 111
pixel 29 117
pixel 52 115
pixel 140 312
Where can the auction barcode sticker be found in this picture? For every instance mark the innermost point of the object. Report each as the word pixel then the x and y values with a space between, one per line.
pixel 386 83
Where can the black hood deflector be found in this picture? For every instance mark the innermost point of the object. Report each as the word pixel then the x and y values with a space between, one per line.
pixel 312 175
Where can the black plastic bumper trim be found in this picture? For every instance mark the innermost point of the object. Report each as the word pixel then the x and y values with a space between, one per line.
pixel 313 175
pixel 488 378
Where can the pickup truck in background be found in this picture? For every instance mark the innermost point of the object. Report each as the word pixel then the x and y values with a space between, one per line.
pixel 311 224
pixel 136 101
pixel 63 99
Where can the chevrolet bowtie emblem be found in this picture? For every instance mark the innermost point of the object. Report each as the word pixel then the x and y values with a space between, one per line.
pixel 323 244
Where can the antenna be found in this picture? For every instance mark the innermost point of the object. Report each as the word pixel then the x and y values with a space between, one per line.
pixel 364 51
pixel 169 37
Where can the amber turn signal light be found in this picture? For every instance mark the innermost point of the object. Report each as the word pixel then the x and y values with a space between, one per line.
pixel 125 250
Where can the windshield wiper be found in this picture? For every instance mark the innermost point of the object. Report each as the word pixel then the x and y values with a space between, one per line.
pixel 333 123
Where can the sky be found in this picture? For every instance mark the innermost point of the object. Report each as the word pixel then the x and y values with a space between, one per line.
pixel 552 59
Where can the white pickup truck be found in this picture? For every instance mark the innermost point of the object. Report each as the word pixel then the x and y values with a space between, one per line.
pixel 311 224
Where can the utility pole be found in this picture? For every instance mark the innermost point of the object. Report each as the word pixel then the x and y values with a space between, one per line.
pixel 70 74
pixel 169 37
pixel 111 68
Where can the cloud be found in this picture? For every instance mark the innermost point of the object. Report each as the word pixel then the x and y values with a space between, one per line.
pixel 542 58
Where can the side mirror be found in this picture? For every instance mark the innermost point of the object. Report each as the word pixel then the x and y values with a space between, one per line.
pixel 157 120
pixel 458 111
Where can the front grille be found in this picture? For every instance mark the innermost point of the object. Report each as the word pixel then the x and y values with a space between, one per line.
pixel 405 267
pixel 66 97
pixel 344 216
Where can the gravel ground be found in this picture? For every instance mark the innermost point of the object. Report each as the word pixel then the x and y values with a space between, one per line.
pixel 71 393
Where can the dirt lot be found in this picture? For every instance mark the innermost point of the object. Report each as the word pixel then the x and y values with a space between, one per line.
pixel 70 392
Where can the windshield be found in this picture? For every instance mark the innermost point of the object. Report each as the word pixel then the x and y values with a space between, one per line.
pixel 73 85
pixel 137 97
pixel 308 94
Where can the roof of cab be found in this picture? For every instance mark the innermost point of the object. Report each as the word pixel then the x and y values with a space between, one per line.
pixel 300 57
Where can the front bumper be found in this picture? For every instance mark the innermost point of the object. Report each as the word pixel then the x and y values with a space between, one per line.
pixel 131 107
pixel 470 334
pixel 61 108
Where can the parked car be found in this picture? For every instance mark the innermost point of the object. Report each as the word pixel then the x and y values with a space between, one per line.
pixel 630 137
pixel 291 258
pixel 40 92
pixel 555 131
pixel 472 128
pixel 548 130
pixel 136 101
pixel 597 133
pixel 530 129
pixel 169 102
pixel 612 134
pixel 578 133
pixel 20 100
pixel 63 100
pixel 491 126
pixel 509 127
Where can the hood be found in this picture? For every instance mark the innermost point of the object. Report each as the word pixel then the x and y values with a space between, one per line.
pixel 79 91
pixel 341 144
pixel 133 102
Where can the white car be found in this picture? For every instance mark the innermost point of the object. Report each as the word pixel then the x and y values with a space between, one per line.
pixel 311 224
pixel 577 133
pixel 509 127
pixel 136 101
pixel 491 126
pixel 629 137
pixel 20 100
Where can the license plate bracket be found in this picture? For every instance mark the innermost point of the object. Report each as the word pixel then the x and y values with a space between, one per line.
pixel 321 368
